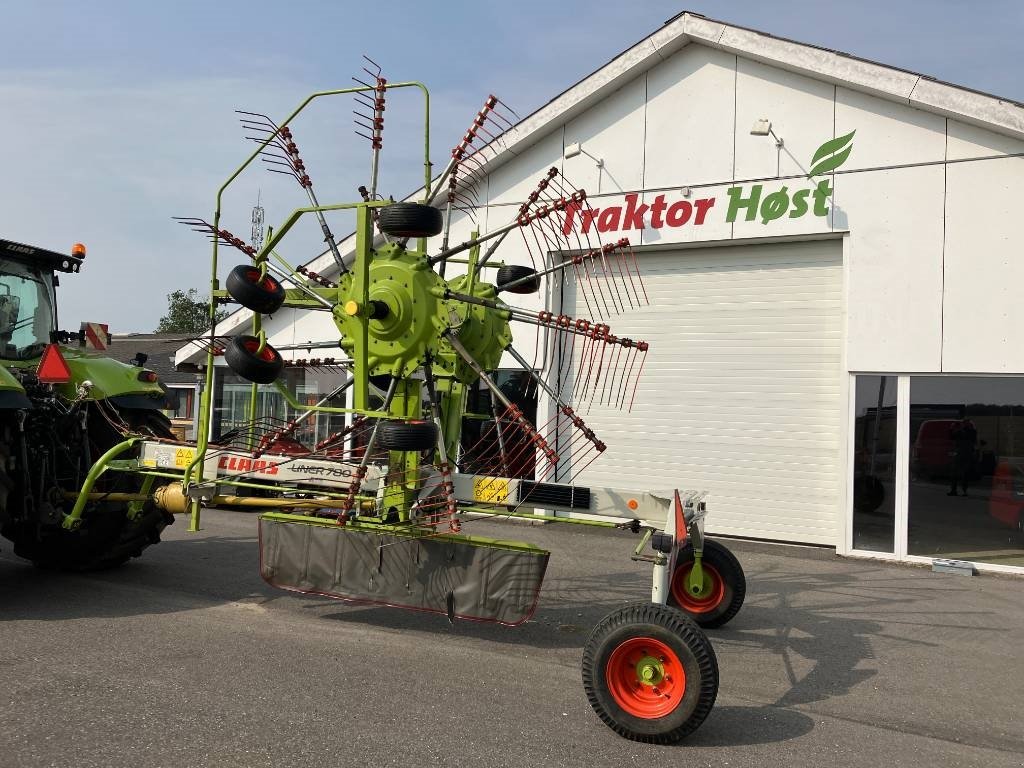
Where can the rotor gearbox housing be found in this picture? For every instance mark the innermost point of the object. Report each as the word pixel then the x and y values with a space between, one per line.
pixel 408 314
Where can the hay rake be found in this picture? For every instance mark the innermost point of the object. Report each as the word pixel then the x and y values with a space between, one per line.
pixel 378 510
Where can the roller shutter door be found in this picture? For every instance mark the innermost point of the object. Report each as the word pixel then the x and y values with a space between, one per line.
pixel 740 394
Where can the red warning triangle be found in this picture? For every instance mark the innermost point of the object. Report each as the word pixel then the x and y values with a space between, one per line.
pixel 52 367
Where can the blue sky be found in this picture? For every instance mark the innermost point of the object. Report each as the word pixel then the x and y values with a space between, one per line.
pixel 119 115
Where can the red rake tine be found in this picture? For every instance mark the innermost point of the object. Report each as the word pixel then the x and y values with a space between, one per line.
pixel 581 289
pixel 639 277
pixel 614 369
pixel 627 372
pixel 578 369
pixel 643 359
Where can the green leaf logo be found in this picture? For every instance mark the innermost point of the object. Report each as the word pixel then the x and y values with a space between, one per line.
pixel 831 154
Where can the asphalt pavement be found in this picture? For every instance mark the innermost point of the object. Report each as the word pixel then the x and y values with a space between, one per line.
pixel 186 658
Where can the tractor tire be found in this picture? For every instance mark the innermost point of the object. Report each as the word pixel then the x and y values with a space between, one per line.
pixel 262 368
pixel 263 295
pixel 650 673
pixel 410 220
pixel 509 273
pixel 6 484
pixel 725 585
pixel 407 435
pixel 106 538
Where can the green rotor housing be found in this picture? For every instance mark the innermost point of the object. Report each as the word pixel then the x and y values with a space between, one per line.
pixel 409 312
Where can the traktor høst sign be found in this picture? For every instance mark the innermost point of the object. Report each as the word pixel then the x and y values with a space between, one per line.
pixel 748 202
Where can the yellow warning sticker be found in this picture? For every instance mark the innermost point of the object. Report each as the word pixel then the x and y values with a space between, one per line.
pixel 184 457
pixel 490 490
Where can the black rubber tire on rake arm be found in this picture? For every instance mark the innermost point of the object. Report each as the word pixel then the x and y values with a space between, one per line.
pixel 242 358
pixel 410 220
pixel 263 295
pixel 673 628
pixel 407 435
pixel 509 273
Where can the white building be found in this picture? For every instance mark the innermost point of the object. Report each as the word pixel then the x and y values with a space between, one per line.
pixel 802 330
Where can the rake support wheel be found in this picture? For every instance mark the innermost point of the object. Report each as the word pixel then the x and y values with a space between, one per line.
pixel 650 673
pixel 725 585
pixel 260 367
pixel 407 435
pixel 410 220
pixel 260 293
pixel 510 273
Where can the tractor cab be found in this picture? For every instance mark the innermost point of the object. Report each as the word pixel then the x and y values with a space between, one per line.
pixel 28 312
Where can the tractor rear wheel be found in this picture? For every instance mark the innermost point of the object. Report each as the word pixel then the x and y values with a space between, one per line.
pixel 650 673
pixel 106 538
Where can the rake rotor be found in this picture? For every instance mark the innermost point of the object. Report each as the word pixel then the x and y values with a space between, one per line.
pixel 407 327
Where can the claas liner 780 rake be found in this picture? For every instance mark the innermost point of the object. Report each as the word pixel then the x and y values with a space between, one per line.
pixel 378 511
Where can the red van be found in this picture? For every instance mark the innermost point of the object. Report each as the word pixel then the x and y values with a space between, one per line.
pixel 1006 504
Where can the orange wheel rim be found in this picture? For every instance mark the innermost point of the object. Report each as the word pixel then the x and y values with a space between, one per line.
pixel 267 283
pixel 710 597
pixel 645 677
pixel 266 355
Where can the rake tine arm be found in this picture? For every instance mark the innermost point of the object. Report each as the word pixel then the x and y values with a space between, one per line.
pixel 360 472
pixel 521 420
pixel 442 451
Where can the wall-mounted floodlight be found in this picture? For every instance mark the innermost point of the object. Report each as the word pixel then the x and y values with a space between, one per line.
pixel 763 127
pixel 576 148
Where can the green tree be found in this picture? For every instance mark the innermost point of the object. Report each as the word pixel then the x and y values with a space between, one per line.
pixel 187 313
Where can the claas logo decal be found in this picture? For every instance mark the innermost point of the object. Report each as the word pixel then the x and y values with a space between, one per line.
pixel 238 464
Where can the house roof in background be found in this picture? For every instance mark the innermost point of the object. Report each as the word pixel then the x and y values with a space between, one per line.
pixel 160 349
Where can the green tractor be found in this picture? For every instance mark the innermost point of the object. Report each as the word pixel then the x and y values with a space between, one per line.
pixel 64 406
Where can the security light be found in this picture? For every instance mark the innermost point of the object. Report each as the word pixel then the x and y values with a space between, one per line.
pixel 576 148
pixel 763 127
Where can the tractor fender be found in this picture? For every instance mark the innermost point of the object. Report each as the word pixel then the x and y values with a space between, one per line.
pixel 12 394
pixel 110 378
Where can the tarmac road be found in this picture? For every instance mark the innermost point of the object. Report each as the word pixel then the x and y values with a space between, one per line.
pixel 186 658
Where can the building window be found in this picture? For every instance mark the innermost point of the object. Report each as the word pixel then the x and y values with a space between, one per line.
pixel 181 400
pixel 484 450
pixel 874 464
pixel 966 495
pixel 233 397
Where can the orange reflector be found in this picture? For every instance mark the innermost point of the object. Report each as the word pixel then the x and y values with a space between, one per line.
pixel 680 514
pixel 52 367
pixel 78 250
pixel 633 504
